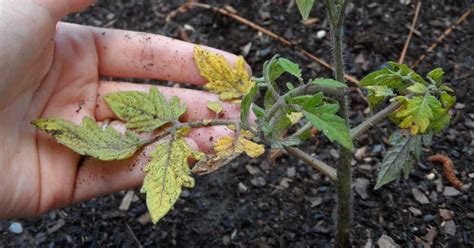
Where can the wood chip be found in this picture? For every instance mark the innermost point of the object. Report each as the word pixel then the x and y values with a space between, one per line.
pixel 144 218
pixel 126 201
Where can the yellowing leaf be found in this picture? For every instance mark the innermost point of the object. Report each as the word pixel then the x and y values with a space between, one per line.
pixel 167 172
pixel 230 83
pixel 225 146
pixel 91 140
pixel 294 117
pixel 417 112
pixel 144 112
pixel 215 107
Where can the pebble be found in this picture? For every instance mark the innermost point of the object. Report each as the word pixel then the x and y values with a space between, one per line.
pixel 185 194
pixel 252 170
pixel 459 105
pixel 321 34
pixel 446 214
pixel 334 153
pixel 430 176
pixel 428 218
pixel 316 201
pixel 450 227
pixel 419 196
pixel 259 181
pixel 284 183
pixel 291 171
pixel 471 175
pixel 415 211
pixel 16 227
pixel 359 154
pixel 451 191
pixel 360 187
pixel 386 241
pixel 242 187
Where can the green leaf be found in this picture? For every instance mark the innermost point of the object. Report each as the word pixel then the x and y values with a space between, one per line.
pixel 312 101
pixel 245 107
pixel 166 173
pixel 144 112
pixel 436 76
pixel 305 6
pixel 327 82
pixel 372 78
pixel 380 90
pixel 417 88
pixel 290 86
pixel 446 88
pixel 440 121
pixel 447 100
pixel 280 127
pixel 400 157
pixel 290 67
pixel 268 99
pixel 272 69
pixel 374 100
pixel 308 99
pixel 333 126
pixel 417 113
pixel 258 111
pixel 215 107
pixel 327 108
pixel 91 140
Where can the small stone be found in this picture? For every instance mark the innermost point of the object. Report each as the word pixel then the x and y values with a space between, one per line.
pixel 16 227
pixel 366 169
pixel 110 16
pixel 428 218
pixel 470 215
pixel 459 105
pixel 450 228
pixel 451 191
pixel 419 196
pixel 334 153
pixel 291 171
pixel 252 170
pixel 415 211
pixel 430 176
pixel 56 226
pixel 259 181
pixel 360 187
pixel 446 214
pixel 185 193
pixel 316 201
pixel 471 175
pixel 321 34
pixel 226 240
pixel 386 241
pixel 242 187
pixel 144 218
pixel 284 183
pixel 360 153
pixel 405 2
pixel 265 166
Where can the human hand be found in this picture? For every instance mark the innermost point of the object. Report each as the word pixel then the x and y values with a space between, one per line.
pixel 51 69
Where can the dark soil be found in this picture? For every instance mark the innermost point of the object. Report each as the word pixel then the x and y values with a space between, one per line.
pixel 288 204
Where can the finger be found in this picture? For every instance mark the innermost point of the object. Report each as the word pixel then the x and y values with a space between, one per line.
pixel 62 8
pixel 96 178
pixel 140 55
pixel 196 101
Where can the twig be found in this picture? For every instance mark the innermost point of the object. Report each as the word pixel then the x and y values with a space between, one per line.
pixel 373 120
pixel 410 34
pixel 271 34
pixel 442 37
pixel 129 229
pixel 315 163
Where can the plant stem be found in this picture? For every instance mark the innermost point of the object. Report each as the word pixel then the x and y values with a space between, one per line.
pixel 344 173
pixel 374 119
pixel 315 163
pixel 205 123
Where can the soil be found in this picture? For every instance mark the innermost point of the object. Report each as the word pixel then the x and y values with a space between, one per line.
pixel 253 203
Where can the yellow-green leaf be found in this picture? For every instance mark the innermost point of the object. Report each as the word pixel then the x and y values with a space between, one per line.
pixel 417 112
pixel 167 172
pixel 91 140
pixel 226 146
pixel 215 107
pixel 144 112
pixel 230 83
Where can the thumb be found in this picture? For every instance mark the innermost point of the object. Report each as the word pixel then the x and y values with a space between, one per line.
pixel 64 7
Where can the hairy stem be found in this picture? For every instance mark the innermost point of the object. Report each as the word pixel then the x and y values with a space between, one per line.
pixel 344 173
pixel 374 120
pixel 313 162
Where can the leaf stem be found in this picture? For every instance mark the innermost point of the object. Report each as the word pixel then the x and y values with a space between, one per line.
pixel 313 162
pixel 300 131
pixel 370 122
pixel 206 123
